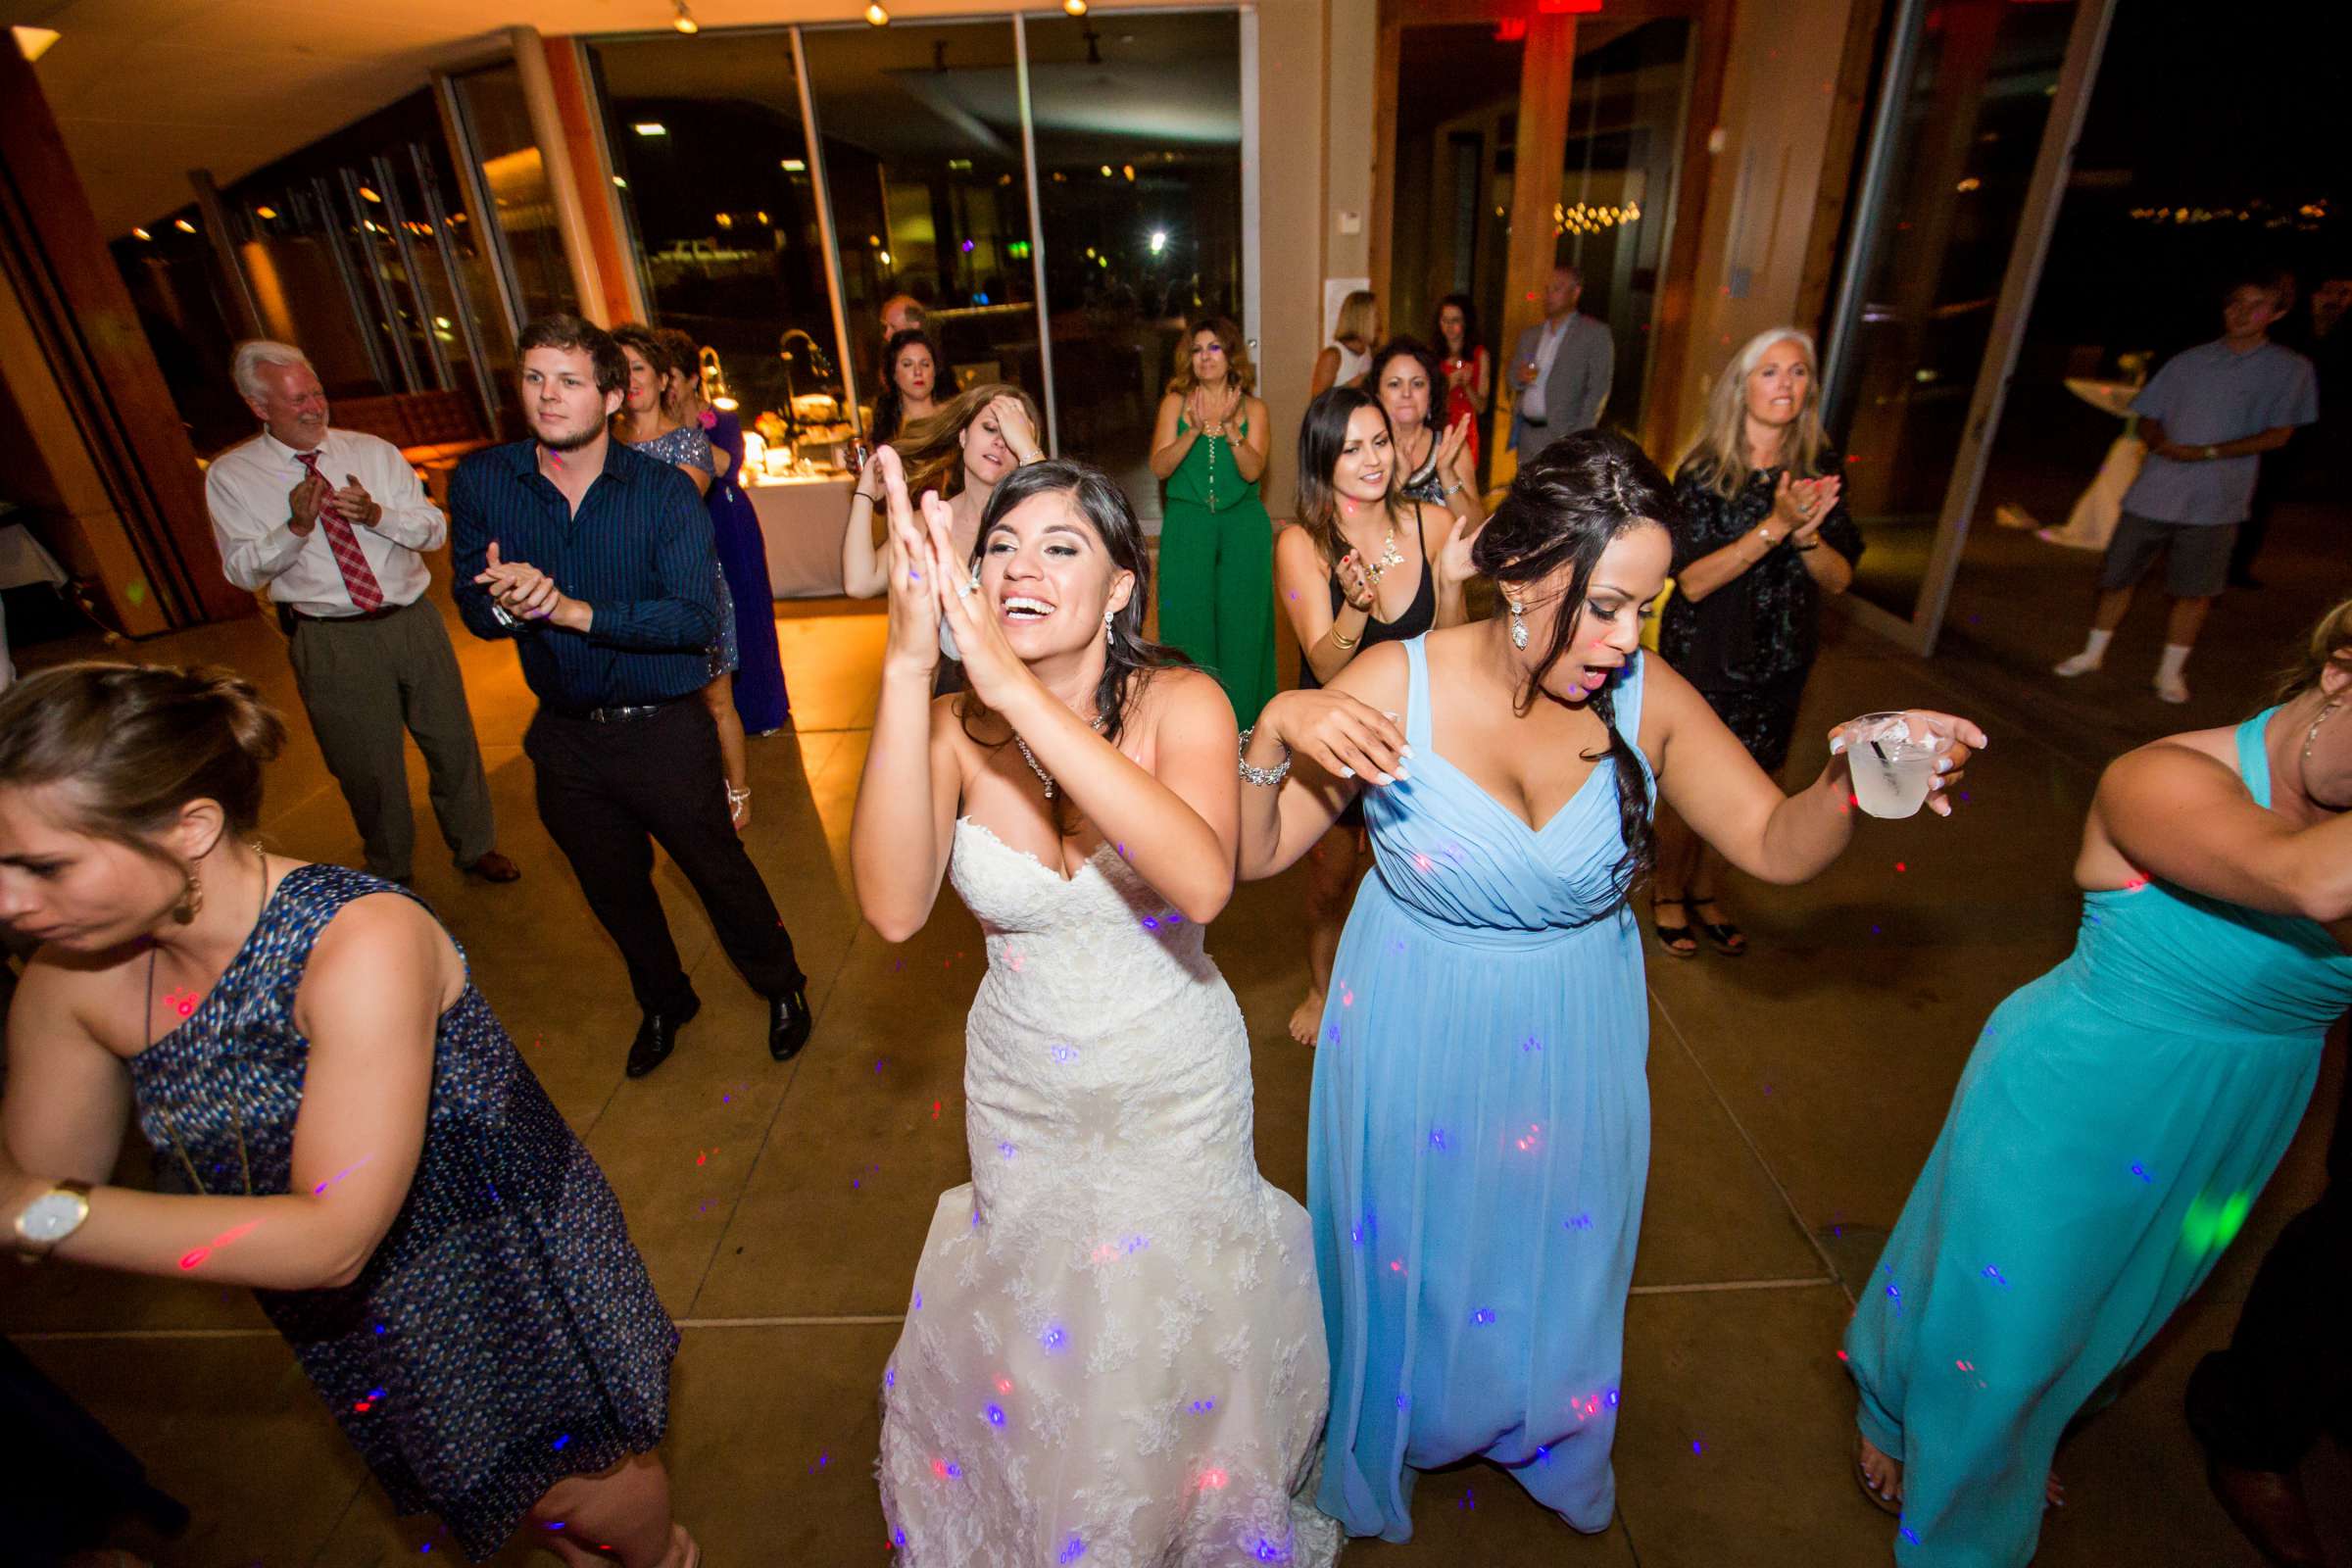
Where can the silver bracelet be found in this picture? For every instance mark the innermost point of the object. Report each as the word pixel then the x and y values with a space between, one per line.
pixel 1263 777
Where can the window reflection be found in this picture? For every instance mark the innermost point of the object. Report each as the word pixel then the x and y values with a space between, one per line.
pixel 921 134
pixel 712 168
pixel 1138 157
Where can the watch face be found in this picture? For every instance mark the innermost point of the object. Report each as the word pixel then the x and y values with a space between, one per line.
pixel 52 1216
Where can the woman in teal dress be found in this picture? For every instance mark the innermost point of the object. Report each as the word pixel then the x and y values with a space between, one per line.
pixel 1480 1134
pixel 2117 1118
pixel 1216 543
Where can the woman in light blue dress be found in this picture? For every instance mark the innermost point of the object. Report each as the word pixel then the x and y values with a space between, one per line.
pixel 2117 1116
pixel 1480 1133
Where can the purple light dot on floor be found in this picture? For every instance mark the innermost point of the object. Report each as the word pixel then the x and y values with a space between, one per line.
pixel 1077 1548
pixel 955 1471
pixel 1698 1447
pixel 560 1442
pixel 1203 1407
pixel 995 1414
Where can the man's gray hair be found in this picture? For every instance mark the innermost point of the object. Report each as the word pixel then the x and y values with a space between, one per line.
pixel 245 366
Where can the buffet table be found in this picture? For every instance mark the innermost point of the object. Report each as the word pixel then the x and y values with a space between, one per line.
pixel 802 519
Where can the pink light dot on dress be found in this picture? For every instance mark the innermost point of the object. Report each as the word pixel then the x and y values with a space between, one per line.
pixel 1212 1480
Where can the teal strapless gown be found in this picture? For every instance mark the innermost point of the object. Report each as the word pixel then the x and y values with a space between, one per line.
pixel 1479 1141
pixel 2114 1123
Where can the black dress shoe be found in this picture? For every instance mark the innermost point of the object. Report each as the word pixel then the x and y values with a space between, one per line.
pixel 789 1021
pixel 658 1036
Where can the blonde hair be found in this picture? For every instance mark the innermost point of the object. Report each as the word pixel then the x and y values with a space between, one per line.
pixel 1721 446
pixel 1360 319
pixel 1240 372
pixel 2329 643
pixel 928 448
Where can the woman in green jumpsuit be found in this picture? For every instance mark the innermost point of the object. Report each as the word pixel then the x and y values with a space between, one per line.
pixel 1216 544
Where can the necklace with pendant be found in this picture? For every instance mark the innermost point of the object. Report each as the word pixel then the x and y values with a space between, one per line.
pixel 1043 776
pixel 1390 555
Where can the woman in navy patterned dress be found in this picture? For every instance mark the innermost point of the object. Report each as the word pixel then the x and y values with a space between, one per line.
pixel 338 1122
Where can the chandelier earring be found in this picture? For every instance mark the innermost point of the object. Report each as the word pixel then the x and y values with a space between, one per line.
pixel 191 900
pixel 1518 626
pixel 1109 637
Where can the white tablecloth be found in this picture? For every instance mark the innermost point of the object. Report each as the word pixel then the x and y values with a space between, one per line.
pixel 2092 522
pixel 802 521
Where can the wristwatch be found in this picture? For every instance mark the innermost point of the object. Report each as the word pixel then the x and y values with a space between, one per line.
pixel 50 1218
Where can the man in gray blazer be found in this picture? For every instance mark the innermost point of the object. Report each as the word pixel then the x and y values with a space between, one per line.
pixel 1561 367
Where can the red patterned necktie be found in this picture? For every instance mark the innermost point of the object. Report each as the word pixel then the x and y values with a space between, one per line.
pixel 358 579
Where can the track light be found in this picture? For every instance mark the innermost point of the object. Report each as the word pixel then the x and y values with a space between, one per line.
pixel 876 16
pixel 684 20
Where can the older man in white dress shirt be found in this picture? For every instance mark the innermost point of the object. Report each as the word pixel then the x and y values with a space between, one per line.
pixel 334 523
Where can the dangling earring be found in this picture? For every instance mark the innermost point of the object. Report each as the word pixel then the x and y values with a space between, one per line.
pixel 191 900
pixel 1518 626
pixel 1108 637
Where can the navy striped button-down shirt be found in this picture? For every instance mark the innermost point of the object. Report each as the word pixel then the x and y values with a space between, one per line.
pixel 639 552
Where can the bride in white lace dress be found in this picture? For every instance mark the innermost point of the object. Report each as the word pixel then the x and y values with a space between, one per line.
pixel 1113 1351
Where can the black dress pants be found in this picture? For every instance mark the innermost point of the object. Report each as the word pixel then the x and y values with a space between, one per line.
pixel 2288 1373
pixel 609 792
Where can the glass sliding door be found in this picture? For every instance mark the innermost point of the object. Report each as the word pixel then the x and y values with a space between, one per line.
pixel 1137 134
pixel 714 174
pixel 920 127
pixel 1971 92
pixel 495 124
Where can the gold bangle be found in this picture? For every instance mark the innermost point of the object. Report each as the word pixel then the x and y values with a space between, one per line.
pixel 1344 643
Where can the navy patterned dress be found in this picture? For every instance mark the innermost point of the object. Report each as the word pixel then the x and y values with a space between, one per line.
pixel 504 1333
pixel 689 445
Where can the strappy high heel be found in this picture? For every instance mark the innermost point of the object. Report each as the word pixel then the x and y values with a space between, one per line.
pixel 1670 935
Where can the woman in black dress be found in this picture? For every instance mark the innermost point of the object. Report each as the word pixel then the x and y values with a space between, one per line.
pixel 911 364
pixel 1364 564
pixel 1764 535
pixel 337 1118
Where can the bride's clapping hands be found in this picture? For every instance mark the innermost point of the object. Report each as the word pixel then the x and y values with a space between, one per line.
pixel 1343 737
pixel 913 642
pixel 990 665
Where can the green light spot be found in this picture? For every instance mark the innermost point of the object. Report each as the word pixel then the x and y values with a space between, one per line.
pixel 136 590
pixel 2210 1226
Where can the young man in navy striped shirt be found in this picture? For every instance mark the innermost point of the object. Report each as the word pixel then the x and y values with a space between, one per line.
pixel 597 563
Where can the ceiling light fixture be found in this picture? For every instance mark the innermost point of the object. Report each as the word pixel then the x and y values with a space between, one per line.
pixel 369 195
pixel 34 42
pixel 140 233
pixel 265 213
pixel 684 20
pixel 184 225
pixel 650 127
pixel 875 15
pixel 1076 8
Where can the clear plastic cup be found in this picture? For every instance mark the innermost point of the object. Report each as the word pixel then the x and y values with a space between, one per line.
pixel 1892 768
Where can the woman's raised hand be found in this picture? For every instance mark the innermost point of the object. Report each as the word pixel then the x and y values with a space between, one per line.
pixel 1454 564
pixel 990 665
pixel 1958 739
pixel 1453 454
pixel 913 646
pixel 1345 737
pixel 1013 424
pixel 1355 583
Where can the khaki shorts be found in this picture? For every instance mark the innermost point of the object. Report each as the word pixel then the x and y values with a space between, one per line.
pixel 2196 554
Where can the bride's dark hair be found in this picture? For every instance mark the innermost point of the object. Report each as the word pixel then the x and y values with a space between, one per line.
pixel 1132 658
pixel 1568 505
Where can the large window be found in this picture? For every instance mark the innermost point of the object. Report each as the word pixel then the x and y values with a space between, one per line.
pixel 713 165
pixel 497 125
pixel 1138 127
pixel 921 133
pixel 1955 157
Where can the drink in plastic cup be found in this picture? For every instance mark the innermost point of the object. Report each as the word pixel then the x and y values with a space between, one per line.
pixel 1892 769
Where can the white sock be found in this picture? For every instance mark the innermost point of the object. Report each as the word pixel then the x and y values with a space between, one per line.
pixel 2176 658
pixel 2095 646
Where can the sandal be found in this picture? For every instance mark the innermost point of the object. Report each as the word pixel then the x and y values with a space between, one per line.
pixel 1862 1480
pixel 1677 940
pixel 1725 938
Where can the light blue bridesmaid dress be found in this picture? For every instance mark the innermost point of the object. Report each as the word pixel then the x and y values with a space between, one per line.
pixel 2114 1123
pixel 1479 1141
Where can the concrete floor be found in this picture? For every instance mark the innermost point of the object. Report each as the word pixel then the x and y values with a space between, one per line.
pixel 1796 1094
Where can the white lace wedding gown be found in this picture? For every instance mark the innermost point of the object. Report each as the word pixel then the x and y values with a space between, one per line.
pixel 1114 1351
